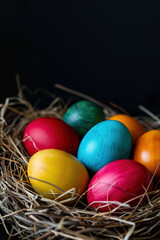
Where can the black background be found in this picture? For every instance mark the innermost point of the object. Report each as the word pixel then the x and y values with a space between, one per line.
pixel 108 50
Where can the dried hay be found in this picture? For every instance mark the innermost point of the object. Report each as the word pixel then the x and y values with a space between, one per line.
pixel 35 217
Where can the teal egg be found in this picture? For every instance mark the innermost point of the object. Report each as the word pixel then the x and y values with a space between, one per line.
pixel 83 115
pixel 106 142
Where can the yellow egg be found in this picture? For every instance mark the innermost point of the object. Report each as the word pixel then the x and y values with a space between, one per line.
pixel 52 172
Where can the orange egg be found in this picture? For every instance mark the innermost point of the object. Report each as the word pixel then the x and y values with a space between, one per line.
pixel 147 151
pixel 134 127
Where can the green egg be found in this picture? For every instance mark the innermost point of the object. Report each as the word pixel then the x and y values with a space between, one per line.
pixel 83 115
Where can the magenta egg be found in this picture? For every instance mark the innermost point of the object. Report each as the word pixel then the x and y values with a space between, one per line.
pixel 50 133
pixel 120 182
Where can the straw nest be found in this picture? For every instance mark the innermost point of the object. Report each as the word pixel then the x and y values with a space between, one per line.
pixel 34 217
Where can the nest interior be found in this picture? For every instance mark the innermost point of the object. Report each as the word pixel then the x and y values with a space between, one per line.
pixel 34 217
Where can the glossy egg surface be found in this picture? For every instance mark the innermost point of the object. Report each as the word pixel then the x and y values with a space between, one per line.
pixel 48 133
pixel 147 151
pixel 107 141
pixel 118 182
pixel 135 128
pixel 83 115
pixel 60 169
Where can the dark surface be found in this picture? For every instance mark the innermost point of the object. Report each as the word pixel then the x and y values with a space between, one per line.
pixel 106 49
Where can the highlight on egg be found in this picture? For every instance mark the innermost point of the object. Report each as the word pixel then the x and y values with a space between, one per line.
pixel 83 115
pixel 53 172
pixel 119 185
pixel 107 141
pixel 48 133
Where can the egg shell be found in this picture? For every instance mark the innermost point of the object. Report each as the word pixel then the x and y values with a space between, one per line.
pixel 48 133
pixel 60 169
pixel 119 181
pixel 135 128
pixel 147 151
pixel 107 141
pixel 83 115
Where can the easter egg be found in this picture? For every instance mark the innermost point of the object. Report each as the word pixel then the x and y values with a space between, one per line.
pixel 50 132
pixel 147 151
pixel 135 128
pixel 52 172
pixel 107 141
pixel 119 182
pixel 83 115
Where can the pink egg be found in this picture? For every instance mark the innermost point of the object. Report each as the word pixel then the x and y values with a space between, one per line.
pixel 50 133
pixel 118 182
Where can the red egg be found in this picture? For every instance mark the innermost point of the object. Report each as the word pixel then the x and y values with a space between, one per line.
pixel 50 133
pixel 118 182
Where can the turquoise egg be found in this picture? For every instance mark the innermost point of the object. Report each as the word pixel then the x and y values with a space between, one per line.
pixel 107 141
pixel 83 115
